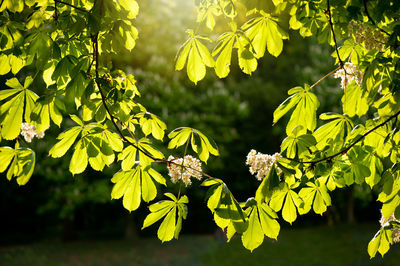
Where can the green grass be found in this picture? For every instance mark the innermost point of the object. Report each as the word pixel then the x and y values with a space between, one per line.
pixel 341 245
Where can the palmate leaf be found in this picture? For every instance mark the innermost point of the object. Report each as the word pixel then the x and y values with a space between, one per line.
pixel 286 199
pixel 173 211
pixel 264 33
pixel 380 243
pixel 12 5
pixel 21 104
pixel 375 166
pixel 131 6
pixel 45 109
pixel 207 13
pixel 333 178
pixel 266 189
pixel 5 65
pixel 334 131
pixel 227 211
pixel 153 125
pixel 390 195
pixel 128 156
pixel 21 162
pixel 305 105
pixel 195 56
pixel 134 185
pixel 315 195
pixel 246 56
pixel 297 144
pixel 200 143
pixel 66 138
pixel 262 221
pixel 355 169
pixel 354 102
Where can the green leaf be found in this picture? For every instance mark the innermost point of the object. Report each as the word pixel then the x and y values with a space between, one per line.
pixel 197 57
pixel 254 235
pixel 66 138
pixel 26 159
pixel 298 145
pixel 4 63
pixel 22 163
pixel 79 160
pixel 6 155
pixel 224 48
pixel 287 198
pixel 133 185
pixel 12 5
pixel 131 6
pixel 265 32
pixel 305 105
pixel 334 131
pixel 11 125
pixel 167 228
pixel 268 221
pixel 268 185
pixel 315 195
pixel 381 242
pixel 16 63
pixel 354 103
pixel 159 210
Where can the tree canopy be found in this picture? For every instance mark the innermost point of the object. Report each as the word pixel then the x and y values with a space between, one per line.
pixel 55 62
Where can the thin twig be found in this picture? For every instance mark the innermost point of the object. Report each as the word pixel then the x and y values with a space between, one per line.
pixel 73 6
pixel 341 64
pixel 345 150
pixel 371 19
pixel 324 77
pixel 55 11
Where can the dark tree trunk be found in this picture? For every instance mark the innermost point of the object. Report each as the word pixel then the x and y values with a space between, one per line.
pixel 68 230
pixel 130 227
pixel 350 206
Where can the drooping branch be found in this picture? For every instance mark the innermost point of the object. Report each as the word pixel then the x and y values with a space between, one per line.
pixel 114 119
pixel 345 150
pixel 71 5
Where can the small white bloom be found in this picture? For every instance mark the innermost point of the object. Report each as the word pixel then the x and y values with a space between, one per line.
pixel 348 74
pixel 261 164
pixel 28 131
pixel 184 168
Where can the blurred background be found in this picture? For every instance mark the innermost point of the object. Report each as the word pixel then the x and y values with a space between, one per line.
pixel 57 218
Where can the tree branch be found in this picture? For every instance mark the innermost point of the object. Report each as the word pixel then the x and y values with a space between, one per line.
pixel 371 19
pixel 345 150
pixel 70 5
pixel 341 64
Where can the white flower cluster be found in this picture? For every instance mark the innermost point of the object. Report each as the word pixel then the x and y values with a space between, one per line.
pixel 395 231
pixel 28 131
pixel 348 74
pixel 364 34
pixel 261 164
pixel 191 168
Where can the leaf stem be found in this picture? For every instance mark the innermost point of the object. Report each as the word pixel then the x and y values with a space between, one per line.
pixel 324 77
